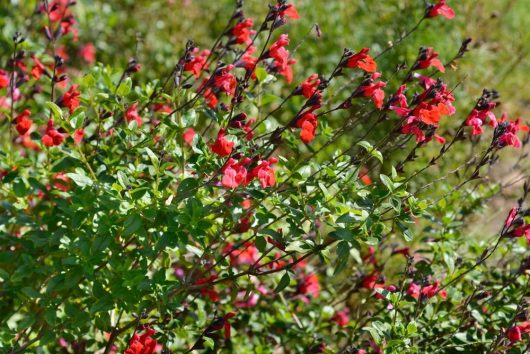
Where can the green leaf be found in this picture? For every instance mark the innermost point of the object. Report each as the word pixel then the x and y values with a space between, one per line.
pixel 153 158
pixel 407 233
pixel 56 110
pixel 132 224
pixel 371 150
pixel 125 87
pixel 80 180
pixel 387 182
pixel 261 74
pixel 284 282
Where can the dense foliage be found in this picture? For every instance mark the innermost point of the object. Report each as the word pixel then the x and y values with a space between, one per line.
pixel 234 205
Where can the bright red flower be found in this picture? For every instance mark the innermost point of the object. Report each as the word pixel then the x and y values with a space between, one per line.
pixel 372 281
pixel 4 79
pixel 38 69
pixel 188 136
pixel 52 137
pixel 265 173
pixel 509 136
pixel 79 134
pixel 342 318
pixel 88 53
pixel 310 86
pixel 210 97
pixel 225 81
pixel 248 62
pixel 132 114
pixel 365 178
pixel 441 9
pixel 242 31
pixel 511 217
pixel 374 90
pixel 282 63
pixel 514 334
pixel 234 174
pixel 198 63
pixel 23 123
pixel 308 123
pixel 414 290
pixel 247 254
pixel 289 11
pixel 222 146
pixel 71 99
pixel 428 58
pixel 362 61
pixel 143 344
pixel 310 285
pixel 61 181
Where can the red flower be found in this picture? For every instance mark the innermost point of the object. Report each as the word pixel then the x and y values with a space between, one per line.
pixel 88 53
pixel 248 62
pixel 188 136
pixel 308 123
pixel 38 69
pixel 4 79
pixel 310 285
pixel 52 137
pixel 362 61
pixel 511 217
pixel 210 97
pixel 372 281
pixel 432 290
pixel 265 173
pixel 222 146
pixel 207 291
pixel 509 137
pixel 79 134
pixel 132 114
pixel 342 318
pixel 281 63
pixel 198 63
pixel 374 90
pixel 428 58
pixel 226 81
pixel 441 9
pixel 23 122
pixel 413 290
pixel 242 31
pixel 234 174
pixel 310 86
pixel 288 11
pixel 143 344
pixel 247 254
pixel 71 99
pixel 61 181
pixel 514 334
pixel 365 178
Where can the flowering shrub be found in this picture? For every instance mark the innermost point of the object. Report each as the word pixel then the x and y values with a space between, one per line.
pixel 185 214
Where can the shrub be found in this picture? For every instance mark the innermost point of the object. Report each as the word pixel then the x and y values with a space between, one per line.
pixel 185 214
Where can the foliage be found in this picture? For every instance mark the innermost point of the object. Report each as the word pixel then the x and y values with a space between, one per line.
pixel 228 205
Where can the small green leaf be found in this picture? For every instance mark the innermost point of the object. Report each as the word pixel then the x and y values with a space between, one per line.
pixel 387 182
pixel 284 282
pixel 80 180
pixel 261 74
pixel 132 224
pixel 56 110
